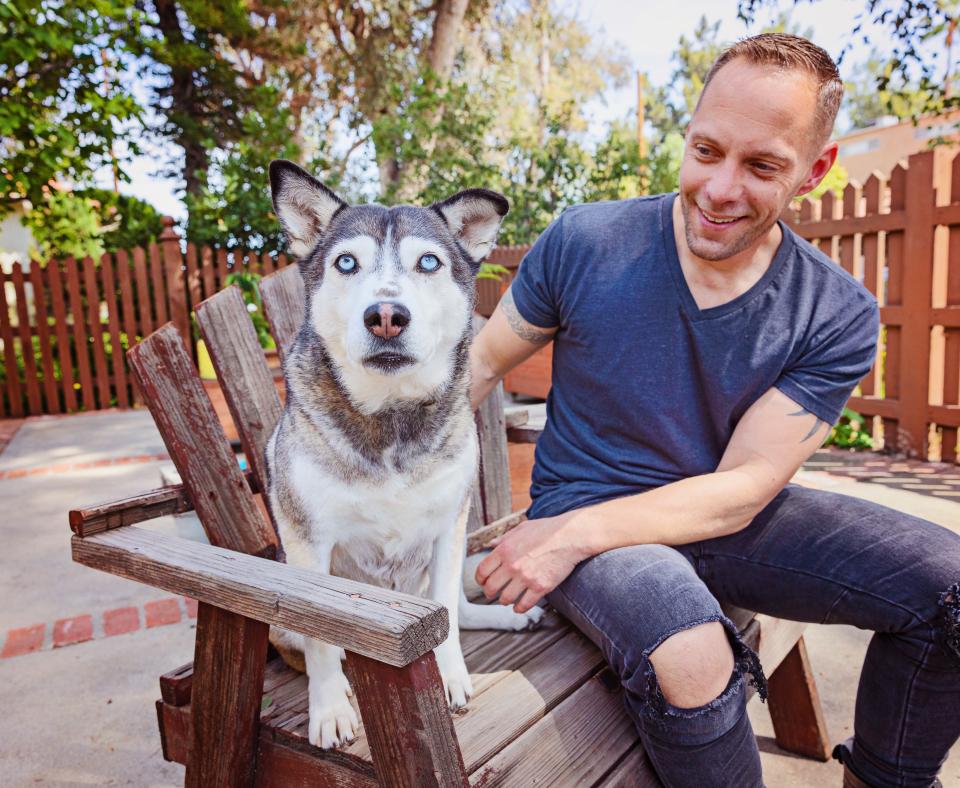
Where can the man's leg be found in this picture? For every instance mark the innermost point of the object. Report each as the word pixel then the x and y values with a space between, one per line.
pixel 679 659
pixel 832 559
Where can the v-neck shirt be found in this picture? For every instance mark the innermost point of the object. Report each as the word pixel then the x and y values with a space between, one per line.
pixel 647 388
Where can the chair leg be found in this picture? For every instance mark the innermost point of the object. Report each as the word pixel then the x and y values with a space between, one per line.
pixel 408 723
pixel 229 662
pixel 798 722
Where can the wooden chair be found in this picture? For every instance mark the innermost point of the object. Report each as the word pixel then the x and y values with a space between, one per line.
pixel 546 709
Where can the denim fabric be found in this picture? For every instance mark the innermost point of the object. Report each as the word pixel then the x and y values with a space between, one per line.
pixel 808 556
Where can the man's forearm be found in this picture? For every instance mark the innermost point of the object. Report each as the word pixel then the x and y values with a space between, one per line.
pixel 689 510
pixel 482 379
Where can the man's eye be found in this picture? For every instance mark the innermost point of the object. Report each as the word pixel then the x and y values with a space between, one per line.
pixel 702 150
pixel 346 264
pixel 429 263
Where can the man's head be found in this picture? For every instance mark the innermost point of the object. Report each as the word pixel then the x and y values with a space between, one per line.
pixel 758 137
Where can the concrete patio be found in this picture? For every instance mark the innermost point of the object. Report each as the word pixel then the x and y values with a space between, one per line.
pixel 80 651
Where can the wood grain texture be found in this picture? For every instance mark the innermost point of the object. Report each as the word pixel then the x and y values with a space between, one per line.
pixel 176 685
pixel 55 278
pixel 172 389
pixel 798 722
pixel 480 539
pixel 633 771
pixel 14 392
pixel 494 461
pixel 43 335
pixel 407 723
pixel 118 368
pixel 396 628
pixel 283 304
pixel 283 764
pixel 230 656
pixel 92 292
pixel 80 336
pixel 572 745
pixel 31 378
pixel 242 371
pixel 524 434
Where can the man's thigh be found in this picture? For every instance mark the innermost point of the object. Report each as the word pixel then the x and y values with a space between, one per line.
pixel 822 557
pixel 631 599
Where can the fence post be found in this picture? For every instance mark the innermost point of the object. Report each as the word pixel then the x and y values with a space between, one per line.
pixel 915 339
pixel 176 286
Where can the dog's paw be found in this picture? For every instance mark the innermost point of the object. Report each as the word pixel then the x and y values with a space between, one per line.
pixel 333 721
pixel 533 616
pixel 457 686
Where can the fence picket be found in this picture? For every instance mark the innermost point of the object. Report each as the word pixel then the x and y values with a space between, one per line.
pixel 129 315
pixel 50 392
pixel 222 270
pixel 143 292
pixel 949 448
pixel 116 359
pixel 194 291
pixel 101 372
pixel 14 392
pixel 209 274
pixel 848 243
pixel 157 281
pixel 30 373
pixel 80 344
pixel 67 380
pixel 870 248
pixel 266 264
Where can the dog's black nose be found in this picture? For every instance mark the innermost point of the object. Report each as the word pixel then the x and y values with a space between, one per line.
pixel 386 319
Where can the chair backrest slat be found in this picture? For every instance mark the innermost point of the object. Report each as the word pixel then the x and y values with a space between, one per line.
pixel 245 378
pixel 283 302
pixel 197 444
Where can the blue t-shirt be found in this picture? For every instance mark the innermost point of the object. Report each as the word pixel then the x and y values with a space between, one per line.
pixel 647 388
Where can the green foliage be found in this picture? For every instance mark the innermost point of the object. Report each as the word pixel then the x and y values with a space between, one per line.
pixel 65 224
pixel 63 109
pixel 866 104
pixel 848 432
pixel 248 283
pixel 126 221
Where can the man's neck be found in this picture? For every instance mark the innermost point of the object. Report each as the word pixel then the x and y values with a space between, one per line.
pixel 716 282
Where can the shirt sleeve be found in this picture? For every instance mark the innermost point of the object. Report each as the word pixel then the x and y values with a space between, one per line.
pixel 837 358
pixel 535 288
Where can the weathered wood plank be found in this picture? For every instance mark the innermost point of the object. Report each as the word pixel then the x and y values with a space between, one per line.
pixel 794 703
pixel 407 723
pixel 230 657
pixel 633 771
pixel 283 305
pixel 31 374
pixel 524 434
pixel 118 367
pixel 100 517
pixel 144 308
pixel 481 538
pixel 197 445
pixel 283 764
pixel 386 625
pixel 80 335
pixel 92 291
pixel 245 379
pixel 572 745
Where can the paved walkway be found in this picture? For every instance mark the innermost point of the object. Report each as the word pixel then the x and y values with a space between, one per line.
pixel 80 651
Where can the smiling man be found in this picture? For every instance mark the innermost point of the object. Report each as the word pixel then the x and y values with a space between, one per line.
pixel 701 352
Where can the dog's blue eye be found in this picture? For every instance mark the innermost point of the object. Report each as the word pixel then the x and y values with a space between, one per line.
pixel 346 264
pixel 429 263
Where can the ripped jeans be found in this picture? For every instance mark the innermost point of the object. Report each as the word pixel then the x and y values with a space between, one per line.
pixel 808 556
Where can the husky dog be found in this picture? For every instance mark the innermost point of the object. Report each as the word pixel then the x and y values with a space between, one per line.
pixel 371 464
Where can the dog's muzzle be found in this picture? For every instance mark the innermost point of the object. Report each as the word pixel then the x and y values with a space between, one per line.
pixel 386 319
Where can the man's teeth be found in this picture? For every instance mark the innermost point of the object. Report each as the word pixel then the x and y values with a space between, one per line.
pixel 719 221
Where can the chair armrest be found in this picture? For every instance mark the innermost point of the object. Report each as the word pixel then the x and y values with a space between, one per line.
pixel 523 434
pixel 481 538
pixel 385 625
pixel 100 517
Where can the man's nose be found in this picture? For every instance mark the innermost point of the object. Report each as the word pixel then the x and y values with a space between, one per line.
pixel 386 319
pixel 724 185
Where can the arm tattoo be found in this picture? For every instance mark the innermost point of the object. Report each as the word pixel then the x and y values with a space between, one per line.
pixel 816 423
pixel 520 326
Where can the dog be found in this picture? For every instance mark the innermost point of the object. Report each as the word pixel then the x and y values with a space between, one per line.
pixel 371 464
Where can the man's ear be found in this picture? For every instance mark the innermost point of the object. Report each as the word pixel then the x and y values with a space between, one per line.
pixel 473 217
pixel 305 206
pixel 819 169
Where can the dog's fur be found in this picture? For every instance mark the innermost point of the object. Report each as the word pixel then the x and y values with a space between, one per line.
pixel 371 464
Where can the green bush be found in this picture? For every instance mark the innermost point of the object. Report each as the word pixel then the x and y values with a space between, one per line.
pixel 848 433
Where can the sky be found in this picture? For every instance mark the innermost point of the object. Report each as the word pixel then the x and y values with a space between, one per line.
pixel 646 31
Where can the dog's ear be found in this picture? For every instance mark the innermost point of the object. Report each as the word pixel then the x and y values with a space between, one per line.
pixel 305 206
pixel 474 217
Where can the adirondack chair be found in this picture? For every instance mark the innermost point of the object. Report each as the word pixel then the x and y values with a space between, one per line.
pixel 546 709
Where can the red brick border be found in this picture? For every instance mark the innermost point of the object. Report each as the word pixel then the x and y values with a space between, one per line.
pixel 46 470
pixel 89 626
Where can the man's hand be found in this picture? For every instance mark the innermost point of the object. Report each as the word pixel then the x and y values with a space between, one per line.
pixel 529 561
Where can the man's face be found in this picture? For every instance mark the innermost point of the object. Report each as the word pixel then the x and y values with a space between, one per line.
pixel 749 148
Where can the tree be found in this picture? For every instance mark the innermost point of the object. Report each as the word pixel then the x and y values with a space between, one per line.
pixel 63 107
pixel 912 68
pixel 865 104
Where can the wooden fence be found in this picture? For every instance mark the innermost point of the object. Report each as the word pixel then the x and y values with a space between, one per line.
pixel 70 322
pixel 899 235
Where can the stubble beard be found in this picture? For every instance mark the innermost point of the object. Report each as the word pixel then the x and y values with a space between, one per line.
pixel 707 250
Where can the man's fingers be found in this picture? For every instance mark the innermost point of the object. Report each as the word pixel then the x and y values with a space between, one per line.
pixel 486 567
pixel 527 601
pixel 494 583
pixel 512 592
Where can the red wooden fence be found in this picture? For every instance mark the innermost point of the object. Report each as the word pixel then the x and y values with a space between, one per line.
pixel 65 326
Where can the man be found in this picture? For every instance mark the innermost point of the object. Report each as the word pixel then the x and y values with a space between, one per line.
pixel 701 352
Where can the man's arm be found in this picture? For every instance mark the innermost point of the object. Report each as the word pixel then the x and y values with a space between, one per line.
pixel 505 341
pixel 772 440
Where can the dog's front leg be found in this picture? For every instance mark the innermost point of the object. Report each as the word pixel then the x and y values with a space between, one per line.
pixel 446 585
pixel 332 719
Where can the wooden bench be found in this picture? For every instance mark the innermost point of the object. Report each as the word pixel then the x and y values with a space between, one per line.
pixel 546 710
